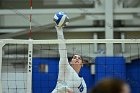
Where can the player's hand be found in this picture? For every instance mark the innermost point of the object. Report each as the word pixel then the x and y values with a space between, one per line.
pixel 58 28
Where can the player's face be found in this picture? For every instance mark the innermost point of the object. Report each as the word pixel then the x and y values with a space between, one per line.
pixel 76 60
pixel 126 89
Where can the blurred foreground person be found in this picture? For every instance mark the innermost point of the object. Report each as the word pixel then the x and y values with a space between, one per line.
pixel 111 85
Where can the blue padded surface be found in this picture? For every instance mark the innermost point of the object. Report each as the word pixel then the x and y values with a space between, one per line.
pixel 110 67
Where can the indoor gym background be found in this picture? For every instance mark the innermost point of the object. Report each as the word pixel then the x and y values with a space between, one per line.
pixel 89 19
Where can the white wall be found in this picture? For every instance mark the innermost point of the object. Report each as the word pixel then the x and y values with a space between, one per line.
pixel 13 79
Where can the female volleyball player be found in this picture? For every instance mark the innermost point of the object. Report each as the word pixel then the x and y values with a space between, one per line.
pixel 68 79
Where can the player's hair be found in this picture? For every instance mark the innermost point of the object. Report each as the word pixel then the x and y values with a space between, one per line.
pixel 70 58
pixel 84 61
pixel 109 85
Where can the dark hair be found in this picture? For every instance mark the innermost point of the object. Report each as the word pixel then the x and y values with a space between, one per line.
pixel 70 58
pixel 109 85
pixel 84 61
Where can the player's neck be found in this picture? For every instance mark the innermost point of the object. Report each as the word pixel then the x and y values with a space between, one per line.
pixel 77 69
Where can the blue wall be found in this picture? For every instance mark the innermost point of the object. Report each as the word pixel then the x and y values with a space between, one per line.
pixel 105 67
pixel 133 75
pixel 46 82
pixel 116 67
pixel 110 67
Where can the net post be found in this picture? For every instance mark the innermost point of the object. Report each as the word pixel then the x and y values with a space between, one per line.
pixel 1 45
pixel 95 36
pixel 29 66
pixel 122 44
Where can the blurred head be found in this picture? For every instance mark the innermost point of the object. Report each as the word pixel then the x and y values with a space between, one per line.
pixel 111 86
pixel 76 62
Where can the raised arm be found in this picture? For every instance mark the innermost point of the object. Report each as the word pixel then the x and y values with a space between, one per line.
pixel 66 72
pixel 62 45
pixel 64 66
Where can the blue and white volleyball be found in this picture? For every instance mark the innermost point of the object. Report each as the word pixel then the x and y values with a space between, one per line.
pixel 61 19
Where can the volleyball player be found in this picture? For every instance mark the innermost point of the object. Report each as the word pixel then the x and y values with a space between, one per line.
pixel 69 80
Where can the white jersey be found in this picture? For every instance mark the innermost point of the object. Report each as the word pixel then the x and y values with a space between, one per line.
pixel 68 79
pixel 73 86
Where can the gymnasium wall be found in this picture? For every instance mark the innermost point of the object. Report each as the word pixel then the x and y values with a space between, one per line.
pixel 133 75
pixel 104 67
pixel 14 78
pixel 116 67
pixel 107 67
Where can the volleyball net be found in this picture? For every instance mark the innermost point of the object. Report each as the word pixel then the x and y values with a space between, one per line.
pixel 31 66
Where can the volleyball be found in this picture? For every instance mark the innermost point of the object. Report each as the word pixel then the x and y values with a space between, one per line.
pixel 61 19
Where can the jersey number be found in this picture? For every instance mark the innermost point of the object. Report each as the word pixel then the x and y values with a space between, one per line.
pixel 81 88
